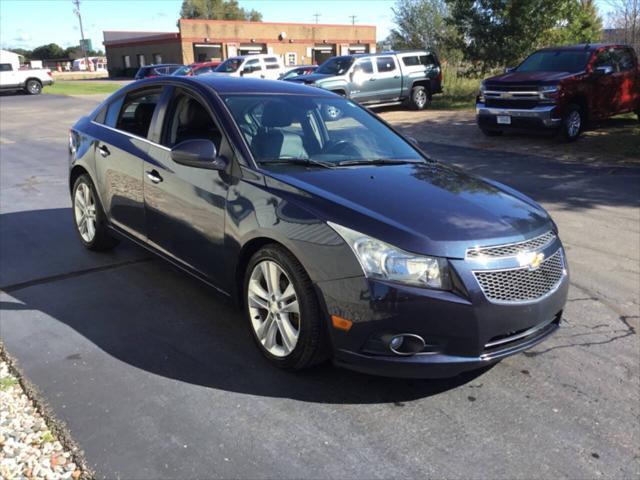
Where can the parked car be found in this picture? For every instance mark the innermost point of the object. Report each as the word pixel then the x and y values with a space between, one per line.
pixel 13 78
pixel 561 89
pixel 298 71
pixel 412 77
pixel 150 71
pixel 200 68
pixel 340 239
pixel 252 66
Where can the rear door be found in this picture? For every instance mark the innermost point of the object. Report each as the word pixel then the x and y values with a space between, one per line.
pixel 629 83
pixel 272 68
pixel 185 206
pixel 388 79
pixel 253 68
pixel 606 87
pixel 121 147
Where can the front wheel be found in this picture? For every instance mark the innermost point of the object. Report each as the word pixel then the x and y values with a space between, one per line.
pixel 420 98
pixel 89 217
pixel 572 123
pixel 33 87
pixel 283 311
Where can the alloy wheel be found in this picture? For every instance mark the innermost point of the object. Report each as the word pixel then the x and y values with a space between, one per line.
pixel 421 98
pixel 574 122
pixel 274 309
pixel 84 207
pixel 34 87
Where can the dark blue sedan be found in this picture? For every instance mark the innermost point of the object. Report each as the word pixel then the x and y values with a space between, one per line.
pixel 338 237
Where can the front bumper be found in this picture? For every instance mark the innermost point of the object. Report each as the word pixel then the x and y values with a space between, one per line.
pixel 463 330
pixel 542 117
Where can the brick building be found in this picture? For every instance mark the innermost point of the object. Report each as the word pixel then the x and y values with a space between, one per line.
pixel 203 40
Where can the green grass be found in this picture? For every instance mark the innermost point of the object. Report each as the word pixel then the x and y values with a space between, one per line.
pixel 459 92
pixel 7 382
pixel 86 87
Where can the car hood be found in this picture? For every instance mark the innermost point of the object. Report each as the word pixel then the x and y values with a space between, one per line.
pixel 542 78
pixel 311 78
pixel 429 208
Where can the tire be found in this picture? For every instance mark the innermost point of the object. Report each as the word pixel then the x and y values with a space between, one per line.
pixel 33 87
pixel 491 133
pixel 573 123
pixel 265 312
pixel 420 98
pixel 84 193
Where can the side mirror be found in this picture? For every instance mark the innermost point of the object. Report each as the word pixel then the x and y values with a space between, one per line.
pixel 198 153
pixel 602 71
pixel 413 140
pixel 509 69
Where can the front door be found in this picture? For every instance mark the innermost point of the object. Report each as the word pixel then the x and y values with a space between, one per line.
pixel 185 206
pixel 120 147
pixel 364 87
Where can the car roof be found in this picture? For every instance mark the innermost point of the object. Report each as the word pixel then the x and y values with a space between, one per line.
pixel 224 84
pixel 587 47
pixel 155 65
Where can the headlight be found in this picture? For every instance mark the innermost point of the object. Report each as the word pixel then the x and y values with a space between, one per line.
pixel 483 88
pixel 381 260
pixel 548 91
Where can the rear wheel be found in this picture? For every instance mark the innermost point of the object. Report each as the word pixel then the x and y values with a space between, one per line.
pixel 572 123
pixel 420 98
pixel 283 311
pixel 33 87
pixel 89 217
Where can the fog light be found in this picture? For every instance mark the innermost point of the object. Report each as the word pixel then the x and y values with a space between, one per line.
pixel 396 342
pixel 406 344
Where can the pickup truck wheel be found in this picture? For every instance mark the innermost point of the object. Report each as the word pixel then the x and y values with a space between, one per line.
pixel 491 133
pixel 572 123
pixel 89 217
pixel 420 98
pixel 33 87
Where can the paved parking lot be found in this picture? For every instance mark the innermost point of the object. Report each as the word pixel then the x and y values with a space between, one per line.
pixel 157 378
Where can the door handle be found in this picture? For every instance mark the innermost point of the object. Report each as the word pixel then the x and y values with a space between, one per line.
pixel 104 151
pixel 372 79
pixel 154 176
pixel 396 76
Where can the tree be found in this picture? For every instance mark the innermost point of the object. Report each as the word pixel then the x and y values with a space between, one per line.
pixel 583 24
pixel 45 52
pixel 495 33
pixel 76 52
pixel 625 20
pixel 218 10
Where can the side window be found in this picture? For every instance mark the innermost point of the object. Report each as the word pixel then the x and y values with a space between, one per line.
pixel 253 64
pixel 137 111
pixel 202 70
pixel 427 60
pixel 5 67
pixel 364 66
pixel 603 59
pixel 271 63
pixel 412 61
pixel 101 115
pixel 385 64
pixel 624 58
pixel 188 119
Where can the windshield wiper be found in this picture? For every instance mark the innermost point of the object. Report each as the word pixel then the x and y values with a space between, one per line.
pixel 301 161
pixel 375 161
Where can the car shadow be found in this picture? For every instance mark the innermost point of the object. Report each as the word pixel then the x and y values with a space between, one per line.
pixel 154 317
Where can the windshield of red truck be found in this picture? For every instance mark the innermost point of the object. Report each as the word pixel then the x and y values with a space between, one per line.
pixel 571 61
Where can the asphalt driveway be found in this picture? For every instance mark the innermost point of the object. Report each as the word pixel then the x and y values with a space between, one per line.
pixel 156 377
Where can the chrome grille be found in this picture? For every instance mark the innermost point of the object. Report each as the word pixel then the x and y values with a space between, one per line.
pixel 522 284
pixel 512 249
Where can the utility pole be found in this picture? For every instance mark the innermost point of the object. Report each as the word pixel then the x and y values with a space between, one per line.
pixel 76 3
pixel 353 19
pixel 316 15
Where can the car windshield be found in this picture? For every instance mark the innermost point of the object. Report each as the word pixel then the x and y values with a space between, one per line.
pixel 335 66
pixel 186 70
pixel 571 61
pixel 229 66
pixel 320 131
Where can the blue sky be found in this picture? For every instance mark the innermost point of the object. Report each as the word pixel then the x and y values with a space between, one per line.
pixel 29 23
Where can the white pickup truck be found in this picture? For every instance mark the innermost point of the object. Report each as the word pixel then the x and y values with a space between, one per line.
pixel 13 78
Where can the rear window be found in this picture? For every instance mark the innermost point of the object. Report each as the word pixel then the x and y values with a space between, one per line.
pixel 137 111
pixel 624 58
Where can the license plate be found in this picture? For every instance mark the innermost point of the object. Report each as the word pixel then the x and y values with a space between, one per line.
pixel 504 120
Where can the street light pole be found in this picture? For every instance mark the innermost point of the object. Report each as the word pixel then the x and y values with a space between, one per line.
pixel 82 43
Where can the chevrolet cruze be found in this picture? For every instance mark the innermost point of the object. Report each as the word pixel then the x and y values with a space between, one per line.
pixel 338 237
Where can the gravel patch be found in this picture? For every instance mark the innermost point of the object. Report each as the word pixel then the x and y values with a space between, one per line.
pixel 28 447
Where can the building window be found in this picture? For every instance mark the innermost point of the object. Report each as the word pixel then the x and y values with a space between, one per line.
pixel 126 61
pixel 141 60
pixel 157 58
pixel 292 58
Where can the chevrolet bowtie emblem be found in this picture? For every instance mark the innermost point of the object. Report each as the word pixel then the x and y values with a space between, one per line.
pixel 532 260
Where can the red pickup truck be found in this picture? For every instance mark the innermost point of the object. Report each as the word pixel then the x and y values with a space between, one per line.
pixel 561 89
